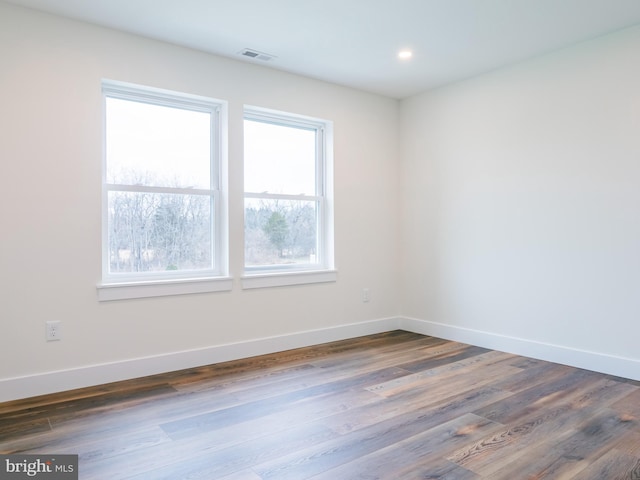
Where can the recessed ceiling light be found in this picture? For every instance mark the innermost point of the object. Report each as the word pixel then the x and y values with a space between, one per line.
pixel 405 54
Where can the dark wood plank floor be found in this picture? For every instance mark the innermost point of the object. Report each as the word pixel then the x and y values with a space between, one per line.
pixel 395 406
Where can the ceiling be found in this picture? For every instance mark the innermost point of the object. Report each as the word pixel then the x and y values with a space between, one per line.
pixel 355 42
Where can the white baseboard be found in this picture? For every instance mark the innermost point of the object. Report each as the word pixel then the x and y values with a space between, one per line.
pixel 62 380
pixel 597 362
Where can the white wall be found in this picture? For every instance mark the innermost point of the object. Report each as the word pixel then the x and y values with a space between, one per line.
pixel 511 222
pixel 521 207
pixel 50 160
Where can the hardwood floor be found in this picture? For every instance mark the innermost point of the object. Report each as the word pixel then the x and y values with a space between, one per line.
pixel 395 406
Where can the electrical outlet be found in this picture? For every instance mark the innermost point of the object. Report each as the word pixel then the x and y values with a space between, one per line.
pixel 53 330
pixel 366 295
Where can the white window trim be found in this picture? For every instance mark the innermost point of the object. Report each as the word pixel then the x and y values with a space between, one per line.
pixel 283 275
pixel 282 279
pixel 127 286
pixel 161 288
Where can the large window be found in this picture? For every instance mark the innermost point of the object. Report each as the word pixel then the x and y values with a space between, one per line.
pixel 287 183
pixel 162 203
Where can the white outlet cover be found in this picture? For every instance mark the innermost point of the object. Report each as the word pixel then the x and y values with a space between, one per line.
pixel 53 330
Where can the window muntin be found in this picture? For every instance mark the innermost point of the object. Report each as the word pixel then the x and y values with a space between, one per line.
pixel 161 188
pixel 286 203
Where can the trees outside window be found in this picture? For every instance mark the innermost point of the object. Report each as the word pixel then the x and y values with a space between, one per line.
pixel 287 218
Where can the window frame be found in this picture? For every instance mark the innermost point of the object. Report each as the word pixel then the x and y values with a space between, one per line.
pixel 295 274
pixel 146 284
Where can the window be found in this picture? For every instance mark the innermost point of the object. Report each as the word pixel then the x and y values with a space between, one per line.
pixel 162 197
pixel 287 199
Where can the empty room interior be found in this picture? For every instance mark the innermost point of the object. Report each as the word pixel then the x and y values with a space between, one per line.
pixel 460 251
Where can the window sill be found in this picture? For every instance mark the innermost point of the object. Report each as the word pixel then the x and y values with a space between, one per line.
pixel 161 288
pixel 283 279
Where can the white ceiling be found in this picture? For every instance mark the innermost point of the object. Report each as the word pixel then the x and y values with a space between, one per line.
pixel 355 42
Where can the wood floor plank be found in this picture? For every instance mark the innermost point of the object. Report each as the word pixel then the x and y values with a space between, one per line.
pixel 629 443
pixel 415 453
pixel 195 460
pixel 222 418
pixel 90 448
pixel 629 406
pixel 394 405
pixel 12 428
pixel 517 439
pixel 437 469
pixel 520 404
pixel 415 346
pixel 183 406
pixel 145 415
pixel 368 439
pixel 442 380
pixel 397 408
pixel 244 475
pixel 613 465
pixel 443 359
pixel 533 375
pixel 307 415
pixel 567 454
pixel 90 405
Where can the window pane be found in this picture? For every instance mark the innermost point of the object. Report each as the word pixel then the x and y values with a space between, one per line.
pixel 279 159
pixel 280 232
pixel 158 146
pixel 151 232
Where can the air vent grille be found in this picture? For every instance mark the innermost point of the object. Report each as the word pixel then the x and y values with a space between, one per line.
pixel 250 53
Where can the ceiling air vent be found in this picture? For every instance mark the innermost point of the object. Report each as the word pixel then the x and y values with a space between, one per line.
pixel 249 53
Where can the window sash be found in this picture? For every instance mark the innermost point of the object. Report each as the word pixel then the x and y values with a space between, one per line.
pixel 209 271
pixel 293 121
pixel 112 89
pixel 322 220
